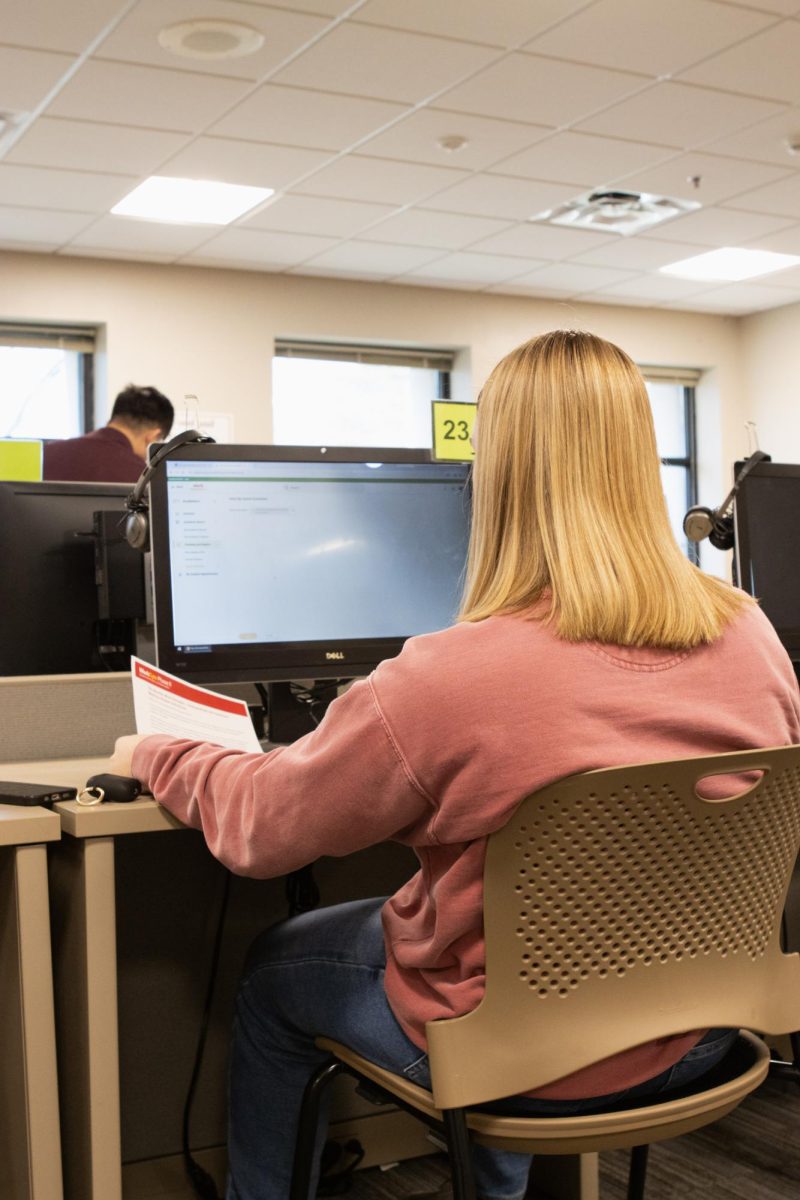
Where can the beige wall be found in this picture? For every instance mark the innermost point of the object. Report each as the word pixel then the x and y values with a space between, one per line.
pixel 211 332
pixel 771 383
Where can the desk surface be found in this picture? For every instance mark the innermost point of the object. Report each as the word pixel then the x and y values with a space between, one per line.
pixel 104 820
pixel 22 826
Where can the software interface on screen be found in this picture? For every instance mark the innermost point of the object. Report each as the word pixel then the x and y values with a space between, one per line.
pixel 313 551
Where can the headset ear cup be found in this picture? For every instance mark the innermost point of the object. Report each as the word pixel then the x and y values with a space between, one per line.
pixel 721 535
pixel 137 530
pixel 698 523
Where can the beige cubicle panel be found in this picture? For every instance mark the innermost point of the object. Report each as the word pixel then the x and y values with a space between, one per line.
pixel 30 1144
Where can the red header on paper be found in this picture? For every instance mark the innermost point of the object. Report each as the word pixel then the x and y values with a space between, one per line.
pixel 176 687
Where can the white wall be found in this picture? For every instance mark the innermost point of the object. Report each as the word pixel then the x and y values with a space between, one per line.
pixel 211 332
pixel 771 385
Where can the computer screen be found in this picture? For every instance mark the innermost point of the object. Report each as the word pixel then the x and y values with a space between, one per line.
pixel 49 601
pixel 767 545
pixel 277 562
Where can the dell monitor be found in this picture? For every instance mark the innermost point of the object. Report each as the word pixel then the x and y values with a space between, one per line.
pixel 767 545
pixel 285 563
pixel 70 589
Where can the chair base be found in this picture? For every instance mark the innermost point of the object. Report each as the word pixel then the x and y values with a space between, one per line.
pixel 708 1099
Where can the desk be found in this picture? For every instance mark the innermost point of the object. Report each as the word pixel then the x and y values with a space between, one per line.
pixel 89 903
pixel 123 1080
pixel 30 1151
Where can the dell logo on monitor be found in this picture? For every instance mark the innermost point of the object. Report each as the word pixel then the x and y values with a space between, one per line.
pixel 337 655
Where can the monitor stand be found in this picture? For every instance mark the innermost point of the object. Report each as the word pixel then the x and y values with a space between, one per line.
pixel 296 709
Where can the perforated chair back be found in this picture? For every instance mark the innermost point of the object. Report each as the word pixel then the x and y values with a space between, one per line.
pixel 621 907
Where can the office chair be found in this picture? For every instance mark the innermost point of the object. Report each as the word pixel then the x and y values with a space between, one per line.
pixel 619 907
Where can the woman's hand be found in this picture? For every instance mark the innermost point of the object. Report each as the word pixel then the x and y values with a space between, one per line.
pixel 120 761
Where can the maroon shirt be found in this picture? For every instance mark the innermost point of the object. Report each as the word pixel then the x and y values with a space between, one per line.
pixel 105 456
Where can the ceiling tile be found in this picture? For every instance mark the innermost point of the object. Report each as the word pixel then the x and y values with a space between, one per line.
pixel 782 198
pixel 44 25
pixel 630 35
pixel 328 8
pixel 785 241
pixel 150 256
pixel 764 142
pixel 126 94
pixel 124 233
pixel 421 227
pixel 26 77
pixel 136 38
pixel 741 298
pixel 384 64
pixel 680 115
pixel 417 139
pixel 582 159
pixel 378 179
pixel 503 23
pixel 780 8
pixel 255 249
pixel 38 227
pixel 498 196
pixel 89 146
pixel 544 91
pixel 662 288
pixel 73 191
pixel 788 278
pixel 571 277
pixel 370 260
pixel 718 227
pixel 251 163
pixel 315 214
pixel 765 65
pixel 478 269
pixel 720 178
pixel 637 253
pixel 301 117
pixel 534 239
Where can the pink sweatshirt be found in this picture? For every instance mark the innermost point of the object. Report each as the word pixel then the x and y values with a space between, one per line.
pixel 437 747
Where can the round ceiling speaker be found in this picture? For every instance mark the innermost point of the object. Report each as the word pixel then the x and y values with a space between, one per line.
pixel 207 38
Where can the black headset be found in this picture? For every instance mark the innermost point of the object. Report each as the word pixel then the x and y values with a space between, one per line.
pixel 137 521
pixel 716 524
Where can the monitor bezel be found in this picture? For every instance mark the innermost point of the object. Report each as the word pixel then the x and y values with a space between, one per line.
pixel 743 541
pixel 282 661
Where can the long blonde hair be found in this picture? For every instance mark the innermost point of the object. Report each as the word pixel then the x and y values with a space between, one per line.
pixel 568 504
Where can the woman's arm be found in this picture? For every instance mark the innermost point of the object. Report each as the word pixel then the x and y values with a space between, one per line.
pixel 336 790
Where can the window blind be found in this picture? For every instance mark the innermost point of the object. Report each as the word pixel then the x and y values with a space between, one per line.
pixel 397 356
pixel 63 337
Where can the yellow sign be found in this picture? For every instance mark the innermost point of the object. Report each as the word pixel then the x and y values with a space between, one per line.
pixel 452 431
pixel 20 459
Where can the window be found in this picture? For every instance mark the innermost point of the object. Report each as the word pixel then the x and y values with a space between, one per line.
pixel 672 397
pixel 328 395
pixel 46 381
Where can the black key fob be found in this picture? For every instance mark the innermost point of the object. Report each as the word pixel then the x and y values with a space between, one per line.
pixel 116 789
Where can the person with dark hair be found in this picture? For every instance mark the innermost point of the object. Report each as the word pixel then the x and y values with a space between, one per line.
pixel 117 452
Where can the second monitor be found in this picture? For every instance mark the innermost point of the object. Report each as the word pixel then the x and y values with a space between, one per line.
pixel 276 562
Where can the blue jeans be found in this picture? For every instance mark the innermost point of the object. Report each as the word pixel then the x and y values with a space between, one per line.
pixel 322 974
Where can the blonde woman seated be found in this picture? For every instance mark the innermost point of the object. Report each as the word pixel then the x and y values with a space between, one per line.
pixel 586 639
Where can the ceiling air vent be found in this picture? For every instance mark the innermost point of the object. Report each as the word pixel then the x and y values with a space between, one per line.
pixel 616 212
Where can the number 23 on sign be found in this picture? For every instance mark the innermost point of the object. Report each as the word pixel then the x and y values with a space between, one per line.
pixel 452 430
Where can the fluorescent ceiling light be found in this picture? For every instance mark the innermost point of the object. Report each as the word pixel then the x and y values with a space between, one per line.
pixel 189 201
pixel 730 263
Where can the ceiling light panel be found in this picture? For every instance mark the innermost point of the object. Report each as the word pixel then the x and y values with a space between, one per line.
pixel 189 201
pixel 730 263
